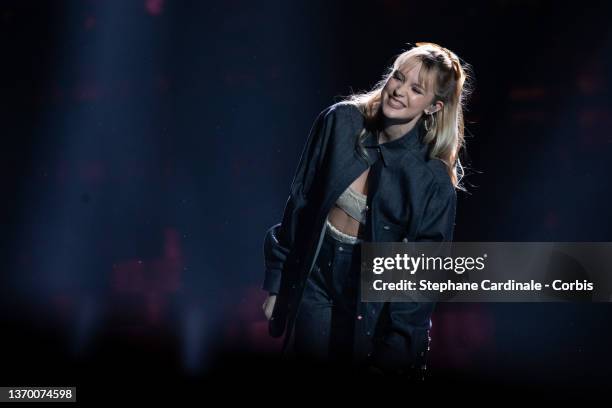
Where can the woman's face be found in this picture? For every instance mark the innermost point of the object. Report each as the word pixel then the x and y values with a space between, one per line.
pixel 403 97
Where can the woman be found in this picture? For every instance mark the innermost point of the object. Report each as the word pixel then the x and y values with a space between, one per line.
pixel 381 166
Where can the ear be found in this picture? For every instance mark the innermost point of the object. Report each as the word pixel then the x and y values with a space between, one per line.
pixel 434 107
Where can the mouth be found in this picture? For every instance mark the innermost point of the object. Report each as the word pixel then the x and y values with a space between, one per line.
pixel 394 103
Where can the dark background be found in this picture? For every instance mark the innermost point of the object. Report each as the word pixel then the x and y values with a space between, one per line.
pixel 148 145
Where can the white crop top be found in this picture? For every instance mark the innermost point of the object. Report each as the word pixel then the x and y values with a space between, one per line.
pixel 354 204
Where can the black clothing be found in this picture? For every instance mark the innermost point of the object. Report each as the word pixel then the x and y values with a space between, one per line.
pixel 324 326
pixel 410 198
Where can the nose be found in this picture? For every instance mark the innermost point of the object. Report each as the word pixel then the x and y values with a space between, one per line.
pixel 396 91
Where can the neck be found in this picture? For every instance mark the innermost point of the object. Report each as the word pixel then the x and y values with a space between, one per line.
pixel 392 129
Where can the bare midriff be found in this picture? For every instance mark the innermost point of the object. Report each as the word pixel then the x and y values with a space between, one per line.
pixel 340 219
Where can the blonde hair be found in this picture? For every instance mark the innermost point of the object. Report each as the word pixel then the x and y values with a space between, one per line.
pixel 452 85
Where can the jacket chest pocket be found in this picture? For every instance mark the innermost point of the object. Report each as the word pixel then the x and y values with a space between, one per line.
pixel 389 231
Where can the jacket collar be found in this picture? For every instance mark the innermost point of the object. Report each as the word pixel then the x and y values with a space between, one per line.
pixel 391 152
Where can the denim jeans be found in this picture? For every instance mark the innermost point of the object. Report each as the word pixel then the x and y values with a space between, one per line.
pixel 324 327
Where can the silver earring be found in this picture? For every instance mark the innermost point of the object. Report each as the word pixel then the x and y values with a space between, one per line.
pixel 425 122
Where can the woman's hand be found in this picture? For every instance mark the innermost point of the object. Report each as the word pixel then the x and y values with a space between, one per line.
pixel 268 306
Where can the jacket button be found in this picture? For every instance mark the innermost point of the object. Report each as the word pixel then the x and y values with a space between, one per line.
pixel 359 317
pixel 340 249
pixel 386 227
pixel 367 207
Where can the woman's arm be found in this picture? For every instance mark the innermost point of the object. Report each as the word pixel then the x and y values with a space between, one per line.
pixel 280 238
pixel 438 221
pixel 404 346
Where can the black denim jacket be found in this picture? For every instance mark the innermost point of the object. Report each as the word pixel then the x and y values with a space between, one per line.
pixel 410 198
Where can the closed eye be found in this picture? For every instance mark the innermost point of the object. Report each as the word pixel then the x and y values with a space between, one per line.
pixel 397 75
